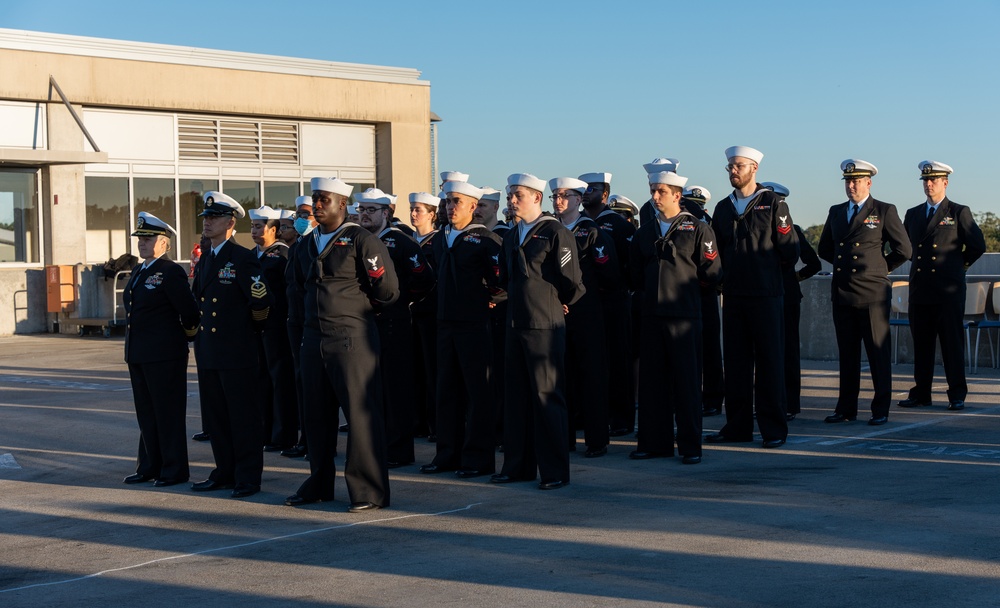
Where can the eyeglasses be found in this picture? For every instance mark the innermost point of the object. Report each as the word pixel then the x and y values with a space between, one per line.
pixel 305 215
pixel 738 166
pixel 563 195
pixel 284 227
pixel 369 210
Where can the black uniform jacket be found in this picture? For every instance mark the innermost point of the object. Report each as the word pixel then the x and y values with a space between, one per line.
pixel 755 245
pixel 540 275
pixel 414 274
pixel 274 262
pixel 234 301
pixel 341 285
pixel 599 265
pixel 812 265
pixel 943 248
pixel 620 231
pixel 293 296
pixel 864 252
pixel 670 269
pixel 427 305
pixel 160 311
pixel 468 274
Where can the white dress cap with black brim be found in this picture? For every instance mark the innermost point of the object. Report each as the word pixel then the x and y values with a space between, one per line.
pixel 287 214
pixel 668 178
pixel 744 152
pixel 490 194
pixel 304 201
pixel 776 188
pixel 454 176
pixel 334 185
pixel 617 202
pixel 219 203
pixel 698 193
pixel 569 183
pixel 148 224
pixel 854 168
pixel 597 178
pixel 463 188
pixel 525 179
pixel 662 164
pixel 424 198
pixel 932 169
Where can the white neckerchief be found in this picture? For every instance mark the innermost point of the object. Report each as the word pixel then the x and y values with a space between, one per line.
pixel 322 240
pixel 421 239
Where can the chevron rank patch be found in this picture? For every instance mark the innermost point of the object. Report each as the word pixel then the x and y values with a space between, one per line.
pixel 257 289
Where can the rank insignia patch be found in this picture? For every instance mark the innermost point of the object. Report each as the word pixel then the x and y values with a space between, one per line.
pixel 783 226
pixel 227 272
pixel 710 253
pixel 599 256
pixel 376 271
pixel 257 289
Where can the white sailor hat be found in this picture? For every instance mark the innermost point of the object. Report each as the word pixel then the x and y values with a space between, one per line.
pixel 596 178
pixel 331 184
pixel 931 169
pixel 525 179
pixel 148 224
pixel 617 202
pixel 463 188
pixel 303 201
pixel 490 194
pixel 669 178
pixel 661 164
pixel 454 176
pixel 776 188
pixel 570 183
pixel 745 152
pixel 218 203
pixel 698 193
pixel 374 196
pixel 424 199
pixel 287 214
pixel 853 167
pixel 265 213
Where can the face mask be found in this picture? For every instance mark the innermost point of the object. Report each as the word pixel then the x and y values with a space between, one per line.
pixel 303 226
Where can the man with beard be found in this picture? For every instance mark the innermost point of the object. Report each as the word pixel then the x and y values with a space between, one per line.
pixel 586 377
pixel 465 254
pixel 347 276
pixel 234 303
pixel 541 272
pixel 945 241
pixel 304 225
pixel 855 239
pixel 670 260
pixel 755 239
pixel 615 302
pixel 416 279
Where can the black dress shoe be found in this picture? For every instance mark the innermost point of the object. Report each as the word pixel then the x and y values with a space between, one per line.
pixel 914 402
pixel 275 447
pixel 202 436
pixel 789 417
pixel 136 478
pixel 469 473
pixel 163 483
pixel 242 490
pixel 835 417
pixel 641 455
pixel 502 478
pixel 434 469
pixel 344 428
pixel 393 464
pixel 295 500
pixel 877 420
pixel 690 459
pixel 720 438
pixel 432 438
pixel 710 411
pixel 552 485
pixel 596 452
pixel 620 432
pixel 956 405
pixel 358 507
pixel 210 484
pixel 297 451
pixel 774 443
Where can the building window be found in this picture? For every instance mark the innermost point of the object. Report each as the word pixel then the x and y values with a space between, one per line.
pixel 246 194
pixel 18 216
pixel 189 224
pixel 156 196
pixel 281 195
pixel 107 218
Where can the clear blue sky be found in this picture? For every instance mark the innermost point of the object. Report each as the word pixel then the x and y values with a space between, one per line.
pixel 560 88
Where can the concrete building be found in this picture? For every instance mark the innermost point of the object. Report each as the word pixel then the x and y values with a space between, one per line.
pixel 92 131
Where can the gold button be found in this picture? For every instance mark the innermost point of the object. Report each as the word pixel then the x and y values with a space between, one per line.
pixel 841 244
pixel 839 257
pixel 201 312
pixel 202 299
pixel 919 246
pixel 215 299
pixel 857 244
pixel 854 269
pixel 855 257
pixel 933 257
pixel 214 314
pixel 919 258
pixel 213 330
pixel 933 270
pixel 203 328
pixel 837 269
pixel 919 269
pixel 935 245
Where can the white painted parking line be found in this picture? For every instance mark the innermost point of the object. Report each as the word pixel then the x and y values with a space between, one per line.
pixel 907 427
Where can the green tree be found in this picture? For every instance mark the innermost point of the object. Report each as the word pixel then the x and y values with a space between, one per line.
pixel 989 223
pixel 812 234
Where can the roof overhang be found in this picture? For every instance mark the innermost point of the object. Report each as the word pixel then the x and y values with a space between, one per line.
pixel 40 158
